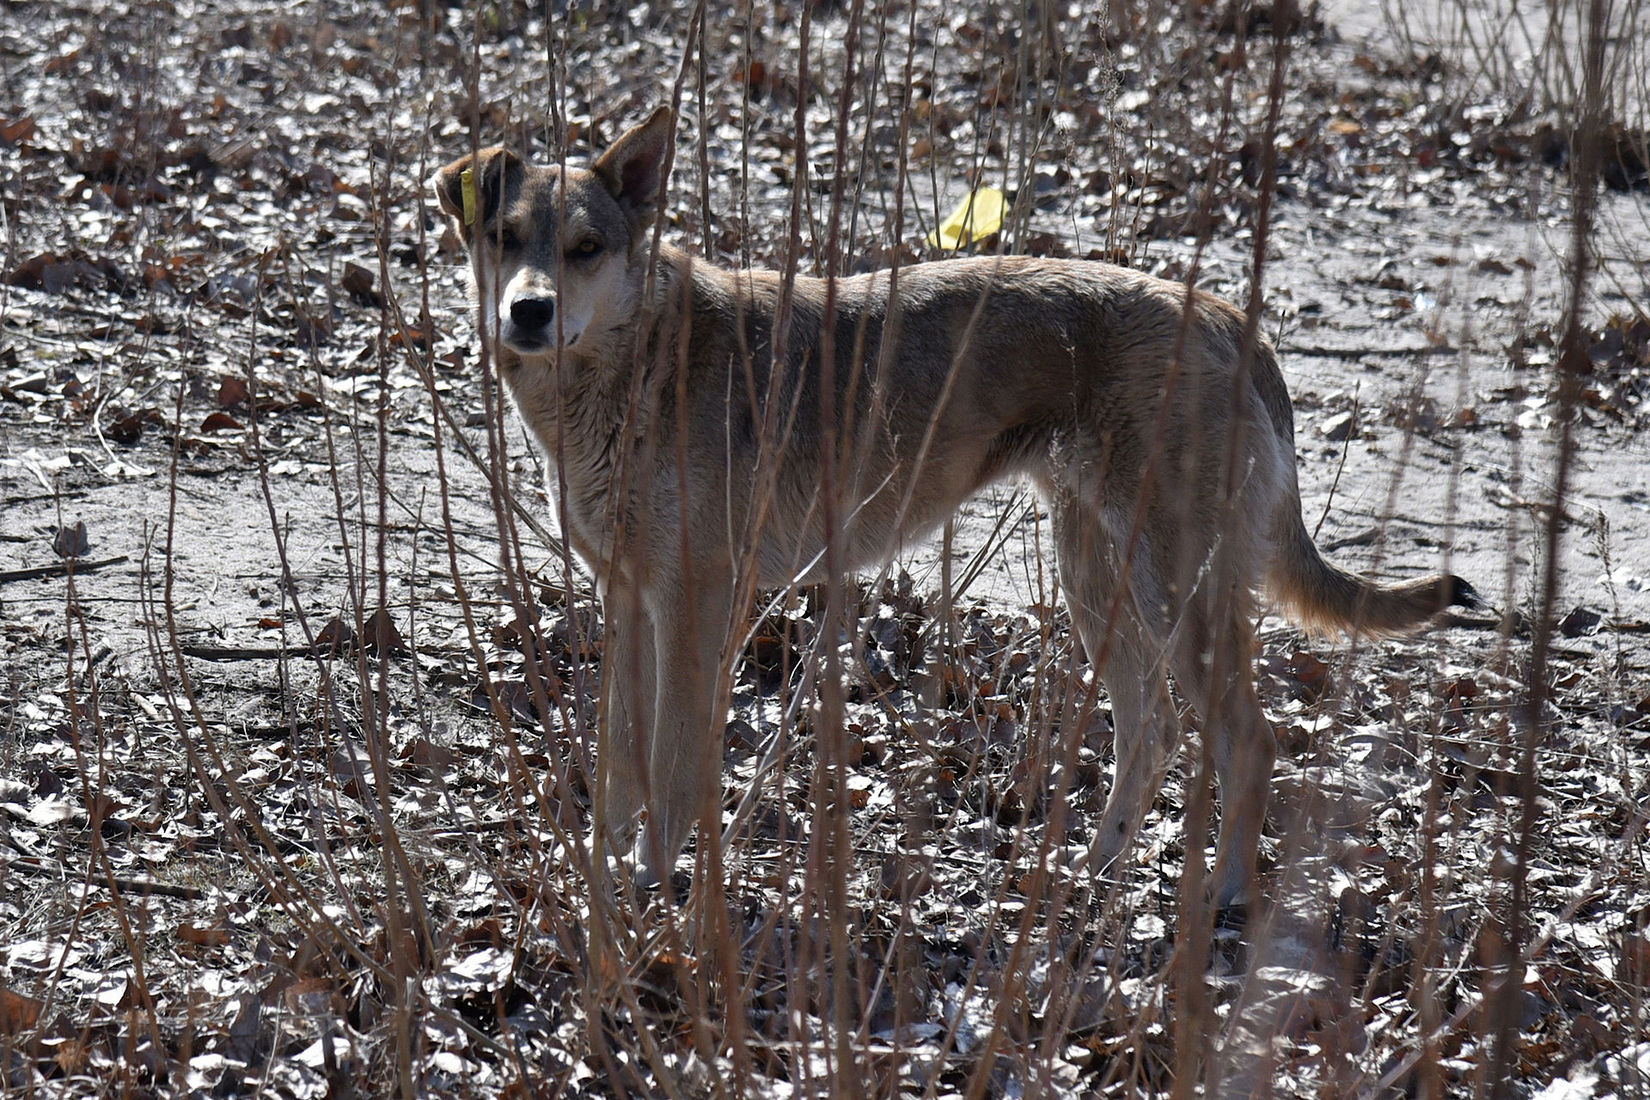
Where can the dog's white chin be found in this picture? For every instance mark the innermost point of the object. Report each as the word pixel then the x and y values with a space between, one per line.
pixel 523 344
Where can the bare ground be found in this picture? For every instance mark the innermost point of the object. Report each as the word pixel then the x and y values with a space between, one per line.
pixel 195 811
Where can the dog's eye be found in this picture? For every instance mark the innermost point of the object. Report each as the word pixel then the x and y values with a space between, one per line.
pixel 508 241
pixel 587 247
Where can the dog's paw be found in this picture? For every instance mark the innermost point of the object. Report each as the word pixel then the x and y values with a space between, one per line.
pixel 648 878
pixel 644 875
pixel 1101 862
pixel 650 865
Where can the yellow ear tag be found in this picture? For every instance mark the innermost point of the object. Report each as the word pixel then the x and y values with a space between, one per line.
pixel 467 188
pixel 979 216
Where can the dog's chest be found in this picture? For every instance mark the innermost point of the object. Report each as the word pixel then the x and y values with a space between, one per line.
pixel 576 428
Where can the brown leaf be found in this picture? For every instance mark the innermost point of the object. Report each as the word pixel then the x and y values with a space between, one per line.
pixel 17 1012
pixel 124 197
pixel 1580 621
pixel 425 753
pixel 1312 673
pixel 381 636
pixel 210 936
pixel 17 131
pixel 1461 689
pixel 221 422
pixel 31 273
pixel 755 75
pixel 56 272
pixel 153 325
pixel 127 429
pixel 36 382
pixel 63 62
pixel 335 635
pixel 357 283
pixel 231 392
pixel 666 975
pixel 508 635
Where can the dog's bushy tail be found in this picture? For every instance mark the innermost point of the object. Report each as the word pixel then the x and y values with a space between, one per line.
pixel 1323 595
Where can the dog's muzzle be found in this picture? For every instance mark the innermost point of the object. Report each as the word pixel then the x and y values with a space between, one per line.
pixel 532 324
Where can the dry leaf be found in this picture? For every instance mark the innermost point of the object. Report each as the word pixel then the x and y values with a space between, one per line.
pixel 17 1012
pixel 71 542
pixel 210 936
pixel 232 391
pixel 380 635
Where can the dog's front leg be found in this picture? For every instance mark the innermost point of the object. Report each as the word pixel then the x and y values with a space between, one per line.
pixel 629 675
pixel 684 752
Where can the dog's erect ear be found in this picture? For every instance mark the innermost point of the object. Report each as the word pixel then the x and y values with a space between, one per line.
pixel 633 168
pixel 470 189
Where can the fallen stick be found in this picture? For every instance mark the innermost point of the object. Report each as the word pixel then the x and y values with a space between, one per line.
pixel 62 568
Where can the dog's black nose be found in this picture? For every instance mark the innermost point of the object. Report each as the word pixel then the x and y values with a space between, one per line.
pixel 533 313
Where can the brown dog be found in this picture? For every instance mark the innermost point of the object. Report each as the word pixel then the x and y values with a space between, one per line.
pixel 712 431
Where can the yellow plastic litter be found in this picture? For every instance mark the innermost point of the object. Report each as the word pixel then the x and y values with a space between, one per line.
pixel 467 190
pixel 979 216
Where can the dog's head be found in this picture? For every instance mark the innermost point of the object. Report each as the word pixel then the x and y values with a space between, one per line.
pixel 558 254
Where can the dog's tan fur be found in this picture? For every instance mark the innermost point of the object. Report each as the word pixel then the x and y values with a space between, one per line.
pixel 693 469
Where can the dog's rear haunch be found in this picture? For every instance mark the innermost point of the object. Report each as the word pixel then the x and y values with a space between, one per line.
pixel 694 469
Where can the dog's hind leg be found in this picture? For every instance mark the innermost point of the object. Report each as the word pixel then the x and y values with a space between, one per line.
pixel 1129 656
pixel 1214 670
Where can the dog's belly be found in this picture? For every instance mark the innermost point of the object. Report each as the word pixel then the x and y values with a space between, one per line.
pixel 805 562
pixel 884 519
